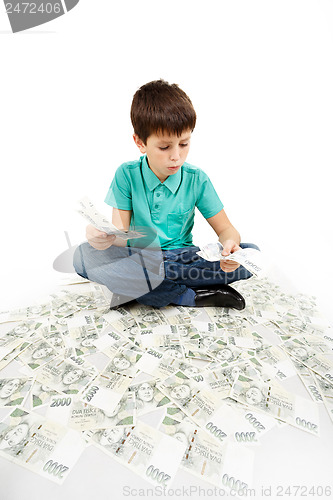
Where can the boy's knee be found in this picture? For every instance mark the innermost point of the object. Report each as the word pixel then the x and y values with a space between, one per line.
pixel 78 262
pixel 249 245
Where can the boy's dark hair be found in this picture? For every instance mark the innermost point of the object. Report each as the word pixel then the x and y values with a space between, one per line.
pixel 159 107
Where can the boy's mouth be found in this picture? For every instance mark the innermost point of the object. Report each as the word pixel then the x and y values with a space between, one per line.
pixel 173 168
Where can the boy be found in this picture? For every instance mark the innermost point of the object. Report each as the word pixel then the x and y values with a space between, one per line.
pixel 158 195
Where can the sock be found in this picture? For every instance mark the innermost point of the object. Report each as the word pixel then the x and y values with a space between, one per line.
pixel 186 298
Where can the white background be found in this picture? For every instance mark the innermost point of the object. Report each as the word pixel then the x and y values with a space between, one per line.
pixel 260 76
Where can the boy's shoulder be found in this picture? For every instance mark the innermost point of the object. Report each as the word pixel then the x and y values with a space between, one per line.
pixel 130 165
pixel 193 170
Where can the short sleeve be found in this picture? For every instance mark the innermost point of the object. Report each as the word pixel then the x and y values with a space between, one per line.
pixel 208 201
pixel 120 191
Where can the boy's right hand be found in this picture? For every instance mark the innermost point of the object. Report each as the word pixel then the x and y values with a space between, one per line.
pixel 98 239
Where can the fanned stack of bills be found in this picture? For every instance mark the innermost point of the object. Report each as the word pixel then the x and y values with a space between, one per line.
pixel 88 211
pixel 215 376
pixel 250 258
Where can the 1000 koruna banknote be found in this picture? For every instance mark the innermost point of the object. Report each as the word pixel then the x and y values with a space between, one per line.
pixel 40 445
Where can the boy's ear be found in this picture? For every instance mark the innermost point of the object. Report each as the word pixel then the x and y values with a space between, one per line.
pixel 139 143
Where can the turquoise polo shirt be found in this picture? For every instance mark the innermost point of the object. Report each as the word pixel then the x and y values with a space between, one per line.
pixel 168 207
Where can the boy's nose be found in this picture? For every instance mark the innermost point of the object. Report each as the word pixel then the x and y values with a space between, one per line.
pixel 175 154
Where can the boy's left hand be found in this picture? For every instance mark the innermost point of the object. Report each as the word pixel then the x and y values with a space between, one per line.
pixel 228 266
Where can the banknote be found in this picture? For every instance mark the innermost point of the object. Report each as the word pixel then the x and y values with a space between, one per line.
pixel 223 352
pixel 148 452
pixel 215 379
pixel 53 337
pixel 241 425
pixel 263 306
pixel 250 258
pixel 211 251
pixel 177 425
pixel 147 316
pixel 184 332
pixel 307 376
pixel 275 401
pixel 67 375
pixel 41 394
pixel 124 361
pixel 40 445
pixel 148 396
pixel 326 392
pixel 14 390
pixel 92 298
pixel 16 335
pixel 203 327
pixel 180 315
pixel 318 344
pixel 109 342
pixel 100 222
pixel 150 338
pixel 39 353
pixel 13 354
pixel 291 323
pixel 197 401
pixel 159 364
pixel 122 321
pixel 248 339
pixel 197 348
pixel 87 318
pixel 320 364
pixel 277 359
pixel 251 367
pixel 106 390
pixel 225 321
pixel 30 312
pixel 71 412
pixel 62 307
pixel 225 465
pixel 82 339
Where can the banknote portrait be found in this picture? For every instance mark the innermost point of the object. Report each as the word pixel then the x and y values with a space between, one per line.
pixel 111 439
pixel 124 360
pixel 148 397
pixel 14 438
pixel 55 339
pixel 180 393
pixel 13 391
pixel 189 370
pixel 175 351
pixel 20 331
pixel 226 353
pixel 254 396
pixel 64 376
pixel 207 340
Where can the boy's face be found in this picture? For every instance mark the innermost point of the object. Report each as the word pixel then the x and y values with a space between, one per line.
pixel 165 153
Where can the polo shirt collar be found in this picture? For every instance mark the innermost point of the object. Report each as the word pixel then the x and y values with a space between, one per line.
pixel 152 181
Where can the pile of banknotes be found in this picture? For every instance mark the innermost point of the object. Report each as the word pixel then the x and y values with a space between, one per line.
pixel 215 376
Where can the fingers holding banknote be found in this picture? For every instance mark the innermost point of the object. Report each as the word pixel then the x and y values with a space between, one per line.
pixel 229 247
pixel 99 239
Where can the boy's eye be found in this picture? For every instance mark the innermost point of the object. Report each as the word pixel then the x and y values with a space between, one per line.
pixel 166 147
